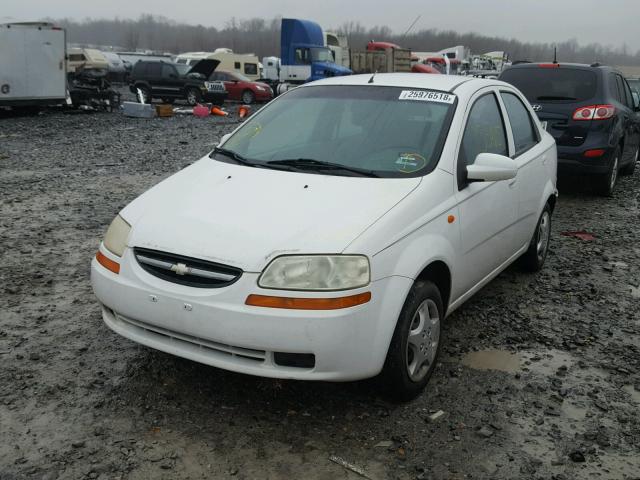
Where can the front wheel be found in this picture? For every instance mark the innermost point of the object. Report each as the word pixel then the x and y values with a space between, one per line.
pixel 415 344
pixel 248 97
pixel 535 256
pixel 193 96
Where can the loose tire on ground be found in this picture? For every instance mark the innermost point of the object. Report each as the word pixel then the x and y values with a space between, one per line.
pixel 415 346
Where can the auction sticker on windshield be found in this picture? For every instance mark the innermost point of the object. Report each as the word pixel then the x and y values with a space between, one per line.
pixel 427 96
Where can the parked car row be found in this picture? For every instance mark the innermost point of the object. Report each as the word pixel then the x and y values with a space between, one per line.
pixel 592 113
pixel 196 83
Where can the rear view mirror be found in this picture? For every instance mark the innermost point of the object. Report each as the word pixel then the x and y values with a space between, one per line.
pixel 491 167
pixel 636 101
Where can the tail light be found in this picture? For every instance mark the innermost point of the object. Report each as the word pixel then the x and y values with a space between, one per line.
pixel 594 112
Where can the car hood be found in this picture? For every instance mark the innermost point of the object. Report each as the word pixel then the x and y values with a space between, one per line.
pixel 243 216
pixel 205 67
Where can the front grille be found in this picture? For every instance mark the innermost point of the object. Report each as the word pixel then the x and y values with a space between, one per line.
pixel 188 271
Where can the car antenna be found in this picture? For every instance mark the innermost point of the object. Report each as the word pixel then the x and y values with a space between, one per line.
pixel 371 79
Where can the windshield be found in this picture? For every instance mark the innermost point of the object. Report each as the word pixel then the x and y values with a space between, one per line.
pixel 321 55
pixel 552 84
pixel 239 77
pixel 390 131
pixel 182 68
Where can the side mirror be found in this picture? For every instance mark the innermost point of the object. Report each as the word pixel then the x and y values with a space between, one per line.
pixel 491 167
pixel 224 139
pixel 636 101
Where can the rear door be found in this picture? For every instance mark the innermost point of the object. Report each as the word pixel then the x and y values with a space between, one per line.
pixel 530 158
pixel 170 83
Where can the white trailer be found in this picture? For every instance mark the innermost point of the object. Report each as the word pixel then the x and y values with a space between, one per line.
pixel 32 64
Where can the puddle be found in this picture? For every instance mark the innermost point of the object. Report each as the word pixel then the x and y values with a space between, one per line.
pixel 547 363
pixel 500 360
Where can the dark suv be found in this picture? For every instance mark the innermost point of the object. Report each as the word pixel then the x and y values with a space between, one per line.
pixel 590 111
pixel 169 81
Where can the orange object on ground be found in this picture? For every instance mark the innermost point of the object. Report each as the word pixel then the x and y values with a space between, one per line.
pixel 218 111
pixel 244 110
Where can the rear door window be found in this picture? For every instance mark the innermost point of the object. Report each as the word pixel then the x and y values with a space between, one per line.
pixel 562 85
pixel 614 87
pixel 525 134
pixel 628 94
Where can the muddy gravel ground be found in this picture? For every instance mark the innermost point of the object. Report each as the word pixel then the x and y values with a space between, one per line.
pixel 539 376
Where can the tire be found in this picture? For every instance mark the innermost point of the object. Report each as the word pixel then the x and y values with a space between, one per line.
pixel 629 169
pixel 534 258
pixel 248 97
pixel 193 96
pixel 418 330
pixel 146 94
pixel 605 184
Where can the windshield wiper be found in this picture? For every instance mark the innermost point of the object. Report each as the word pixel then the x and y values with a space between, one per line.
pixel 312 164
pixel 555 97
pixel 234 156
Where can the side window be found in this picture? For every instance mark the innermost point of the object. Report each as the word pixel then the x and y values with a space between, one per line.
pixel 627 92
pixel 620 83
pixel 154 69
pixel 236 65
pixel 484 133
pixel 613 87
pixel 168 70
pixel 302 56
pixel 524 131
pixel 251 68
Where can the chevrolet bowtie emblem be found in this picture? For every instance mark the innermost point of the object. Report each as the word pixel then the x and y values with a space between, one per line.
pixel 180 269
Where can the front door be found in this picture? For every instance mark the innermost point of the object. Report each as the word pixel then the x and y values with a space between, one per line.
pixel 487 210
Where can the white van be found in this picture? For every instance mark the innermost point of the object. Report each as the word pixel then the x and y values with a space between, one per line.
pixel 247 64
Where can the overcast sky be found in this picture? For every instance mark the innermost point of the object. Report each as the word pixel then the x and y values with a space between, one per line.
pixel 609 22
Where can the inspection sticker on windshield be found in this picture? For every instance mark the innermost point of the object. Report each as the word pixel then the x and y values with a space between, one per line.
pixel 427 96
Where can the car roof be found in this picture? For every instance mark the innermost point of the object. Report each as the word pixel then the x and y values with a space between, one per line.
pixel 444 83
pixel 582 66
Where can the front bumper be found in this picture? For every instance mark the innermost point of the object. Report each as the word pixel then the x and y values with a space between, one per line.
pixel 215 327
pixel 217 98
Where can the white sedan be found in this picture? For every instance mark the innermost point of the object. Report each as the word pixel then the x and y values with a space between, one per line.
pixel 328 237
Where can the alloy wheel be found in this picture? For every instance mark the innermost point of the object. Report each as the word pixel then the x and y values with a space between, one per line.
pixel 544 232
pixel 423 339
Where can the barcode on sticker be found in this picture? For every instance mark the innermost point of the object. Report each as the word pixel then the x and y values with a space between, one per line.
pixel 427 96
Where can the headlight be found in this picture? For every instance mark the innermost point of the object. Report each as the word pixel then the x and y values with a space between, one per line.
pixel 316 272
pixel 261 88
pixel 115 240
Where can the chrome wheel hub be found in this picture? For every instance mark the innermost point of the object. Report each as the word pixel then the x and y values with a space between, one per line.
pixel 423 340
pixel 544 231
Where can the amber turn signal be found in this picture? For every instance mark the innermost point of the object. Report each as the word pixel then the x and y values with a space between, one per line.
pixel 308 303
pixel 107 263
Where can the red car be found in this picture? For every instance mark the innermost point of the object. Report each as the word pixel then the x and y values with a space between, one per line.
pixel 242 88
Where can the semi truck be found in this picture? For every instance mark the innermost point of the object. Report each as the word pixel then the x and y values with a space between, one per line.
pixel 304 57
pixel 32 65
pixel 381 57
